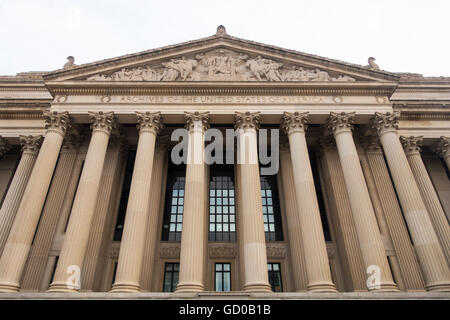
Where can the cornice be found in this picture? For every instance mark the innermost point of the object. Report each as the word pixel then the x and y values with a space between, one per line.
pixel 21 116
pixel 304 88
pixel 424 115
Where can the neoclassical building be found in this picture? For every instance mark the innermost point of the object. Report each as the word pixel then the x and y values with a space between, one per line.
pixel 93 199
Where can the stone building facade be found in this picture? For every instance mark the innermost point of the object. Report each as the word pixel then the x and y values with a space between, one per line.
pixel 92 201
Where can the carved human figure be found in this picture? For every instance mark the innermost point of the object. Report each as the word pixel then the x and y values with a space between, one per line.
pixel 296 74
pixel 123 74
pixel 148 74
pixel 171 72
pixel 222 63
pixel 272 73
pixel 319 75
pixel 181 67
pixel 256 68
pixel 136 74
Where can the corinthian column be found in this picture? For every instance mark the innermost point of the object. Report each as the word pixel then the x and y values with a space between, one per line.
pixel 133 240
pixel 372 248
pixel 412 147
pixel 307 216
pixel 25 223
pixel 428 250
pixel 193 248
pixel 250 216
pixel 30 149
pixel 442 148
pixel 68 272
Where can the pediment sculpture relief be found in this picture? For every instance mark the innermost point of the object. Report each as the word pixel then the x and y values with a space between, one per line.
pixel 220 65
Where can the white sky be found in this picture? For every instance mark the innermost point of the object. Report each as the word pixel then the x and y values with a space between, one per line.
pixel 403 35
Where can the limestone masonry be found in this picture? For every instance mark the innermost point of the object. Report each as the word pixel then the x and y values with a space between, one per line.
pixel 94 205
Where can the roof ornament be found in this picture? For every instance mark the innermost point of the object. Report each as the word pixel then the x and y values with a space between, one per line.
pixel 70 62
pixel 221 31
pixel 372 65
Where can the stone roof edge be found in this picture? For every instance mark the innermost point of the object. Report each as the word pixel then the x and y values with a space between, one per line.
pixel 135 56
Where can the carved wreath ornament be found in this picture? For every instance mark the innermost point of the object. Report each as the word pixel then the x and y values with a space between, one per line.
pixel 220 65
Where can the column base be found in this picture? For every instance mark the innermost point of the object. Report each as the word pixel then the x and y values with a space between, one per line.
pixel 385 287
pixel 321 287
pixel 257 287
pixel 62 287
pixel 9 287
pixel 438 287
pixel 119 287
pixel 190 287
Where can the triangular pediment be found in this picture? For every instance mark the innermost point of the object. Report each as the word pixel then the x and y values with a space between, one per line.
pixel 220 58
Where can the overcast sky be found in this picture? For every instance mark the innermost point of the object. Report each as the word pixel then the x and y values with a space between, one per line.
pixel 403 35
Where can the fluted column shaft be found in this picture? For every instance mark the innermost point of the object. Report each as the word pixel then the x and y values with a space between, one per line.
pixel 254 255
pixel 36 268
pixel 30 150
pixel 67 275
pixel 133 240
pixel 346 237
pixel 412 147
pixel 191 277
pixel 404 249
pixel 369 237
pixel 381 219
pixel 428 250
pixel 293 224
pixel 307 217
pixel 19 241
pixel 157 192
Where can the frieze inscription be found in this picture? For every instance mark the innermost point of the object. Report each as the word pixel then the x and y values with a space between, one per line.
pixel 220 99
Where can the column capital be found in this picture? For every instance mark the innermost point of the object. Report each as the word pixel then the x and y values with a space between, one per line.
pixel 57 122
pixel 441 147
pixel 30 144
pixel 247 120
pixel 196 120
pixel 294 122
pixel 412 145
pixel 371 144
pixel 102 121
pixel 149 122
pixel 386 122
pixel 4 146
pixel 340 122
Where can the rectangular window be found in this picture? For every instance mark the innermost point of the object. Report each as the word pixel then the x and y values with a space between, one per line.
pixel 320 199
pixel 223 276
pixel 171 273
pixel 271 208
pixel 222 206
pixel 174 205
pixel 275 277
pixel 118 230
